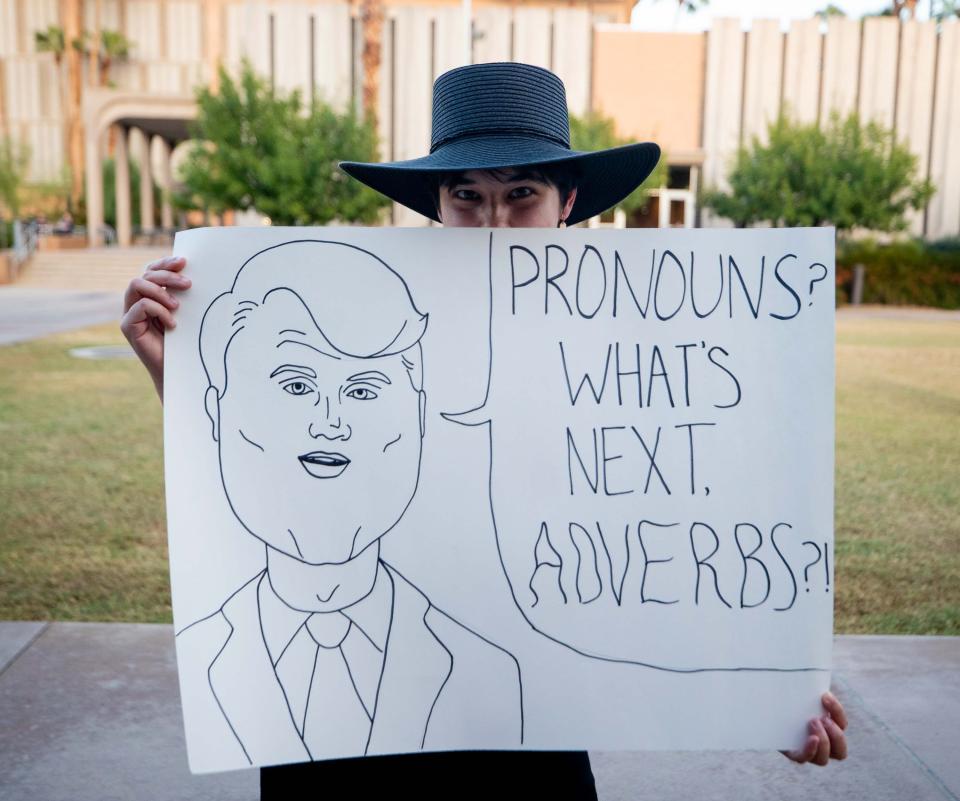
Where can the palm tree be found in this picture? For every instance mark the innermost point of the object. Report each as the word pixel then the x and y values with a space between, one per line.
pixel 114 46
pixel 51 40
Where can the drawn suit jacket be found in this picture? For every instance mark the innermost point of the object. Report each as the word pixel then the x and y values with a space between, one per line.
pixel 443 687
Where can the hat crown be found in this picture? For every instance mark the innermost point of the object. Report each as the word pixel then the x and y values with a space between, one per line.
pixel 503 98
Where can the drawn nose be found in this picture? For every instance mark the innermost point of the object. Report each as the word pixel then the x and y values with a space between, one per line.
pixel 328 423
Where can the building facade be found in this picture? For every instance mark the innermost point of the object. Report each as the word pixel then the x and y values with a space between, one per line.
pixel 698 95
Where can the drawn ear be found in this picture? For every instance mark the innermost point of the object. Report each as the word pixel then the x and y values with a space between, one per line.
pixel 423 413
pixel 211 402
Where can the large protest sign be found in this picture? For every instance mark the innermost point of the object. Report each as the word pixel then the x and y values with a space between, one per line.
pixel 448 489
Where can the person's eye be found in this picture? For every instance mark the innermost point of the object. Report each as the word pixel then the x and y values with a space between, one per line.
pixel 465 194
pixel 297 387
pixel 521 192
pixel 361 393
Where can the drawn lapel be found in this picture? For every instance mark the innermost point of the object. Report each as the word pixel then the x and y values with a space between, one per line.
pixel 245 685
pixel 416 666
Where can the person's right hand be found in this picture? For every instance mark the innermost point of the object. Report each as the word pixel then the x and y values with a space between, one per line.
pixel 148 307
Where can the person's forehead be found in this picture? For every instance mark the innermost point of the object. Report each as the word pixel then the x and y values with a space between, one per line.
pixel 506 175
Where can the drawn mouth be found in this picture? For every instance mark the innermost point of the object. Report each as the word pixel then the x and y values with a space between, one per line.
pixel 321 464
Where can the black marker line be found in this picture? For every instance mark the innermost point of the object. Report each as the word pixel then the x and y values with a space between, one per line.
pixel 306 707
pixel 216 698
pixel 392 442
pixel 273 669
pixel 295 543
pixel 383 665
pixel 325 600
pixel 478 634
pixel 346 664
pixel 276 661
pixel 580 563
pixel 255 445
pixel 602 657
pixel 426 725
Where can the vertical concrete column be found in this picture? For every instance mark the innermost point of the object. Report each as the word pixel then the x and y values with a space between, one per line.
pixel 918 47
pixel 878 69
pixel 722 104
pixel 801 71
pixel 943 212
pixel 140 149
pixel 93 176
pixel 841 67
pixel 572 57
pixel 165 180
pixel 761 85
pixel 122 174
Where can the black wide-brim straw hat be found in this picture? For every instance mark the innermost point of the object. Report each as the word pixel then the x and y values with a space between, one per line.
pixel 490 116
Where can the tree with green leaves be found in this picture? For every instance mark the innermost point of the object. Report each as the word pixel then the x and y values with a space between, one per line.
pixel 14 161
pixel 111 46
pixel 594 131
pixel 51 40
pixel 831 10
pixel 846 174
pixel 261 149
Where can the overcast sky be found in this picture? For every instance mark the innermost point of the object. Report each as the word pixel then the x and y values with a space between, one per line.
pixel 662 15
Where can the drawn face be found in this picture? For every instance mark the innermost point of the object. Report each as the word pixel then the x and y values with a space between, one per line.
pixel 319 451
pixel 519 200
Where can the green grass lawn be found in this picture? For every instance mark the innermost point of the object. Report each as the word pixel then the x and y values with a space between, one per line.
pixel 81 485
pixel 898 476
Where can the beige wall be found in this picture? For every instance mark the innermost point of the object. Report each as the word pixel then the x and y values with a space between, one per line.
pixel 652 85
pixel 699 95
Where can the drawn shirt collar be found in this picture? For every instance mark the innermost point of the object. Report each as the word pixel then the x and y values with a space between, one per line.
pixel 371 615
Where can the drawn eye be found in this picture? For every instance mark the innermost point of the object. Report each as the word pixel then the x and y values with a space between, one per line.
pixel 361 393
pixel 297 388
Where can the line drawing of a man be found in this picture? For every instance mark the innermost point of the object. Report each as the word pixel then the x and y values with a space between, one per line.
pixel 315 399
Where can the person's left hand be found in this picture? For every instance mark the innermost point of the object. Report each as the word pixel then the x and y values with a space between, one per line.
pixel 826 740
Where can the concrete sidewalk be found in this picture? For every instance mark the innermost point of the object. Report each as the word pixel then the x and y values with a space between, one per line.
pixel 91 711
pixel 27 313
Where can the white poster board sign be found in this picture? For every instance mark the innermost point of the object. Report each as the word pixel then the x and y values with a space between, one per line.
pixel 474 489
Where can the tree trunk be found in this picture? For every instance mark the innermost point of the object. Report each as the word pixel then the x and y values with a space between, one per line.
pixel 71 31
pixel 371 16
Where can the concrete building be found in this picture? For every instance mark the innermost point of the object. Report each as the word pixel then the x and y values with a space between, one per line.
pixel 699 95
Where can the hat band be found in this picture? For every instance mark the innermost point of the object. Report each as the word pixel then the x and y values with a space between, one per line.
pixel 497 132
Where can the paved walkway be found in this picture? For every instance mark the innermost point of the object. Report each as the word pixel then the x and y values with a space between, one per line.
pixel 69 289
pixel 28 313
pixel 91 711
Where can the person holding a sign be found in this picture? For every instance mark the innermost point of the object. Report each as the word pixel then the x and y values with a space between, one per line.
pixel 500 157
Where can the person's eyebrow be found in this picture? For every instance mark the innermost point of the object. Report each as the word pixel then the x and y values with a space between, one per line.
pixel 368 375
pixel 307 345
pixel 294 368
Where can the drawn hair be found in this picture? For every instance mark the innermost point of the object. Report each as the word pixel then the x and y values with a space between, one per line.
pixel 344 279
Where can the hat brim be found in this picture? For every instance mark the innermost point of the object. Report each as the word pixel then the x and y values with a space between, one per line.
pixel 604 177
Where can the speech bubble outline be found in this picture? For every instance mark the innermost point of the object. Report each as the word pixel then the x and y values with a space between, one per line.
pixel 479 416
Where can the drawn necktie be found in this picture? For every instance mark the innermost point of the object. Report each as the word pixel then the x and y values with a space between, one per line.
pixel 336 723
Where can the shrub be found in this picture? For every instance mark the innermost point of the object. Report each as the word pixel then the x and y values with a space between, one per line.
pixel 911 273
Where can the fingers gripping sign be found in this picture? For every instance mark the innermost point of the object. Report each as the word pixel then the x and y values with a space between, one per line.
pixel 149 304
pixel 827 739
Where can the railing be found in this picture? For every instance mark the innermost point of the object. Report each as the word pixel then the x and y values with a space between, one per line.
pixel 26 235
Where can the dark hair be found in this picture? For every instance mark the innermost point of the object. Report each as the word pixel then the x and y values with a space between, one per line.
pixel 564 176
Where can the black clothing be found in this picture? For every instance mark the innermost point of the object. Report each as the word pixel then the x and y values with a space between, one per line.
pixel 496 775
